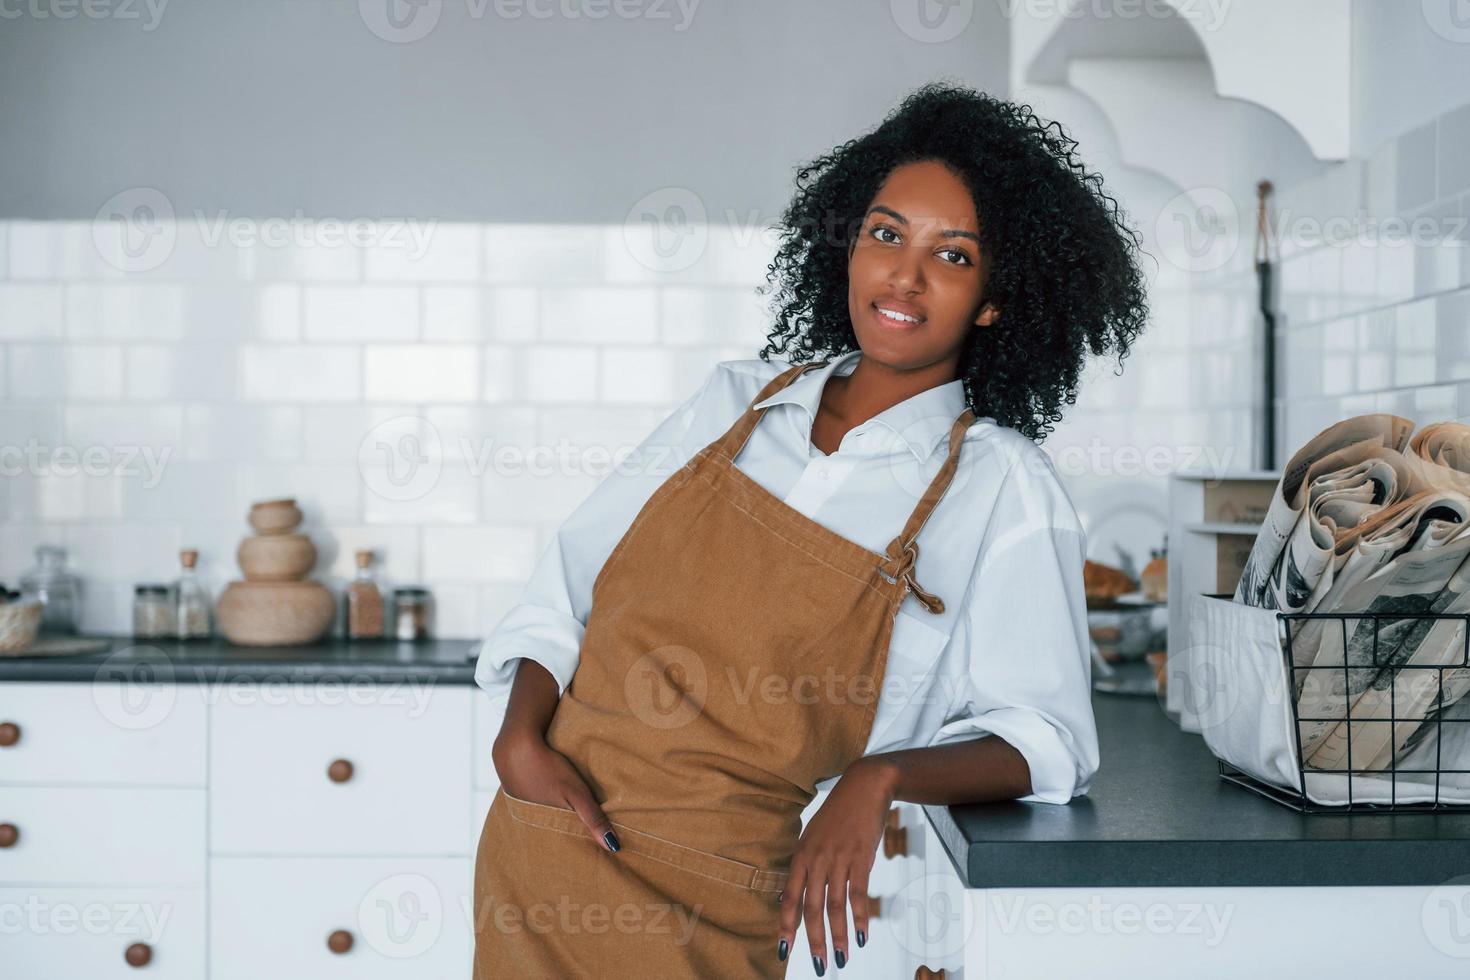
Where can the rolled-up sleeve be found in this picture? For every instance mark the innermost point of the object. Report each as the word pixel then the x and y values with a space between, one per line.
pixel 549 619
pixel 1024 627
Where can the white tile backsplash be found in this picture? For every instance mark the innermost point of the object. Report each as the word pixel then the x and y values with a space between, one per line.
pixel 37 371
pixel 605 315
pixel 300 373
pixel 560 375
pixel 243 433
pixel 422 372
pixel 1380 322
pixel 361 313
pixel 180 372
pixel 125 311
pixel 424 251
pixel 398 386
pixel 453 313
pixel 31 311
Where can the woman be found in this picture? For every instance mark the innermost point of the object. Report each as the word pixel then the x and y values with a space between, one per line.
pixel 705 646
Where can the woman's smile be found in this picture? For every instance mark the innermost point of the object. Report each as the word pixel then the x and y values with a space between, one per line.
pixel 898 315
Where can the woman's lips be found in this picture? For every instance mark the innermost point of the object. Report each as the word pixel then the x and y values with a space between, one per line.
pixel 891 323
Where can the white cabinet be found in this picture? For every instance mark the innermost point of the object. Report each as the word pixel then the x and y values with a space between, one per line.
pixel 358 918
pixel 126 803
pixel 103 835
pixel 361 776
pixel 104 857
pixel 107 733
pixel 305 831
pixel 65 933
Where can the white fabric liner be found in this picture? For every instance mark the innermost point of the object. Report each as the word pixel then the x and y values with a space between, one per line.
pixel 1236 680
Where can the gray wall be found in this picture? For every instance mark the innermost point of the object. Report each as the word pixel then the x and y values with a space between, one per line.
pixel 1411 64
pixel 270 107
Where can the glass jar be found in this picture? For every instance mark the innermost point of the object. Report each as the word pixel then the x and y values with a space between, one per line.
pixel 411 613
pixel 153 612
pixel 191 602
pixel 364 602
pixel 59 590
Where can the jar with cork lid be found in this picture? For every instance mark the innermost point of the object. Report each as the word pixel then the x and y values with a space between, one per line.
pixel 191 602
pixel 364 601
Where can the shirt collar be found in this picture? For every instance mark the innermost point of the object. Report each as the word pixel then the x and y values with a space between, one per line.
pixel 921 422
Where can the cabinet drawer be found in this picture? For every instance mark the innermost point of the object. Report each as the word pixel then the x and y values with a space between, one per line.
pixel 273 917
pixel 93 836
pixel 108 732
pixel 383 771
pixel 64 932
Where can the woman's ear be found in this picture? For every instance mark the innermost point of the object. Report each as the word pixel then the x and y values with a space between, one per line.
pixel 988 315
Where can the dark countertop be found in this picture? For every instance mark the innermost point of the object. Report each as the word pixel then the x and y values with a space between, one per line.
pixel 1158 814
pixel 217 661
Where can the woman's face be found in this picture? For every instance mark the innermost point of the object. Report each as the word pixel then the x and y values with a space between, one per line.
pixel 918 254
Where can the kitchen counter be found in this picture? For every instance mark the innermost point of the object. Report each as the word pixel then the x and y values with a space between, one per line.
pixel 218 661
pixel 1158 814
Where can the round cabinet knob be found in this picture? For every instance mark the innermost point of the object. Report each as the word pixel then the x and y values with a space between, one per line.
pixel 339 771
pixel 339 941
pixel 895 842
pixel 9 734
pixel 9 834
pixel 138 954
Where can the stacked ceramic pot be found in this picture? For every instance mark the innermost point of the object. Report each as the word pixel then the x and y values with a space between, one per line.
pixel 276 604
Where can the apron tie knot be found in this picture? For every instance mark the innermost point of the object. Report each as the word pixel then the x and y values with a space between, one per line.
pixel 904 556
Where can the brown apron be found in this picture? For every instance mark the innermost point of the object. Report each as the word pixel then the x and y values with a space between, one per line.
pixel 733 658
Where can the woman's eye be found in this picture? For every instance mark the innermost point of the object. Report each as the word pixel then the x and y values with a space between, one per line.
pixel 880 229
pixel 957 252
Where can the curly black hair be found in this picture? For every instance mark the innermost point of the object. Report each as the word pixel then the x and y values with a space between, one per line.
pixel 1064 264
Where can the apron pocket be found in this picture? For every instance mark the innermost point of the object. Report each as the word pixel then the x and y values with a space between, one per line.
pixel 633 841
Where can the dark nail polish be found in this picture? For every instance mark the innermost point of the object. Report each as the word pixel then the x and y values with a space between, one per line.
pixel 782 950
pixel 781 897
pixel 611 840
pixel 862 939
pixel 840 957
pixel 818 965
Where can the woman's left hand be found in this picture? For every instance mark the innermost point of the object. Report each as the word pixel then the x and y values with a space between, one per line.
pixel 833 859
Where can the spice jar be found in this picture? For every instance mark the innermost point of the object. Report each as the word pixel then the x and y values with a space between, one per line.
pixel 153 612
pixel 364 602
pixel 191 602
pixel 411 613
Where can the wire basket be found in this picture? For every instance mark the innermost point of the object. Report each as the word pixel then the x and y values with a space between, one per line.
pixel 1431 760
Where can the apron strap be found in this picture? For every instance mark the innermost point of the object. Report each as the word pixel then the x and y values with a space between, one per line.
pixel 730 444
pixel 903 551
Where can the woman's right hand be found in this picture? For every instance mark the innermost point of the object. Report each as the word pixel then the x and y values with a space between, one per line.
pixel 533 771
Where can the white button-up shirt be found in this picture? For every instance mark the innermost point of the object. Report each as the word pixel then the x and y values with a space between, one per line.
pixel 1008 656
